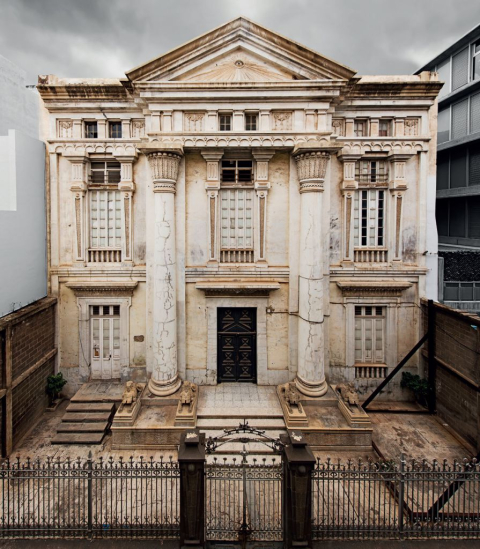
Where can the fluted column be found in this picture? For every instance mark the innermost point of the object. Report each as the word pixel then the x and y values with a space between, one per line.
pixel 311 169
pixel 164 169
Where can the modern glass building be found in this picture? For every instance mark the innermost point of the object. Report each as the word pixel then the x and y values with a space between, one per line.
pixel 458 171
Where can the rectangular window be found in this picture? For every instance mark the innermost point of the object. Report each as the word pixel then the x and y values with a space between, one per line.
pixel 460 69
pixel 473 205
pixel 443 128
pixel 441 215
pixel 237 172
pixel 105 341
pixel 91 130
pixel 474 167
pixel 476 62
pixel 236 230
pixel 369 219
pixel 104 172
pixel 385 128
pixel 370 335
pixel 475 111
pixel 443 171
pixel 225 122
pixel 444 76
pixel 251 122
pixel 105 219
pixel 360 128
pixel 115 130
pixel 458 168
pixel 460 119
pixel 457 217
pixel 371 171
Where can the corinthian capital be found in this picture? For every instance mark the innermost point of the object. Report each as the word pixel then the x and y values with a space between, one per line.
pixel 312 163
pixel 164 167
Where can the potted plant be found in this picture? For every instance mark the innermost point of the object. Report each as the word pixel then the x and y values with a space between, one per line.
pixel 420 387
pixel 55 383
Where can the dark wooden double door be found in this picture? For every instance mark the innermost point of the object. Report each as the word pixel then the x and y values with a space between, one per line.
pixel 237 344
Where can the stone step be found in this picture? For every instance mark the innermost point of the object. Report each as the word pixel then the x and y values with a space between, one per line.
pixel 231 423
pixel 237 414
pixel 90 407
pixel 93 427
pixel 78 438
pixel 81 417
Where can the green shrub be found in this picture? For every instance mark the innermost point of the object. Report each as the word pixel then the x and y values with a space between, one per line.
pixel 55 383
pixel 420 386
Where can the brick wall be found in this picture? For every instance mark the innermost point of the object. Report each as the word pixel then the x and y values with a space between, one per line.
pixel 27 358
pixel 457 363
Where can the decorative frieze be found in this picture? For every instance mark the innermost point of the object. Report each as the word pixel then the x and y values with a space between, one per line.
pixel 338 126
pixel 282 121
pixel 138 129
pixel 194 121
pixel 65 129
pixel 411 126
pixel 379 288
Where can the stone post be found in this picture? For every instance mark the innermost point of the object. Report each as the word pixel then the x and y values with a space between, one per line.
pixel 311 168
pixel 164 169
pixel 191 458
pixel 298 464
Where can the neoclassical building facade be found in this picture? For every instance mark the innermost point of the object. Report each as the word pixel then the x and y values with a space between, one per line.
pixel 240 209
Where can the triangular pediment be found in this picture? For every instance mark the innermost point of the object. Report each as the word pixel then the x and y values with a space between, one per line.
pixel 239 65
pixel 240 51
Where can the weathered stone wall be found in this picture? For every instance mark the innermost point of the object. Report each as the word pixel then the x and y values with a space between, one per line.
pixel 457 355
pixel 27 358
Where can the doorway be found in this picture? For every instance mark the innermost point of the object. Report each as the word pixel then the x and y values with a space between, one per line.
pixel 237 344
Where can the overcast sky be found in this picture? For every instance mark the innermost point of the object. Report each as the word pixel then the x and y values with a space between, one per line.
pixel 106 38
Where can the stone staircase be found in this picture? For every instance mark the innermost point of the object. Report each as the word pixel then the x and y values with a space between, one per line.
pixel 85 423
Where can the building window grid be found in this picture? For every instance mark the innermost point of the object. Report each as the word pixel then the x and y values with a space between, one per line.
pixel 237 219
pixel 385 128
pixel 105 320
pixel 251 122
pixel 115 130
pixel 371 171
pixel 370 334
pixel 105 219
pixel 225 122
pixel 91 129
pixel 369 219
pixel 104 172
pixel 461 291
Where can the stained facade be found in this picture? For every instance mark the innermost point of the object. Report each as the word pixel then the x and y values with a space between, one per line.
pixel 240 209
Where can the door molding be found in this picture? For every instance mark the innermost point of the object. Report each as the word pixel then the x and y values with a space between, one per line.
pixel 213 303
pixel 84 350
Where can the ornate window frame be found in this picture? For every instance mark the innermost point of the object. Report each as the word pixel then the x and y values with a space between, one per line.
pixel 81 215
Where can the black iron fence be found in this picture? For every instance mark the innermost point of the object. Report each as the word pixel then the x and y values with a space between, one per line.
pixel 244 499
pixel 395 500
pixel 75 498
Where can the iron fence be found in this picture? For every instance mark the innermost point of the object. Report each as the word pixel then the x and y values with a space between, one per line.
pixel 392 500
pixel 244 500
pixel 96 499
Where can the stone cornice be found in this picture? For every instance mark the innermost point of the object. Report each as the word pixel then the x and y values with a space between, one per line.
pixel 88 288
pixel 400 146
pixel 373 288
pixel 237 288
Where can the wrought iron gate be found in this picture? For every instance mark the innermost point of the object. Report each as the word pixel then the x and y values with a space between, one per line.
pixel 244 496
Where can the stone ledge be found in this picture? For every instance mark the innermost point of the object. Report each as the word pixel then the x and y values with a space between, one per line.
pixel 237 288
pixel 377 287
pixel 114 288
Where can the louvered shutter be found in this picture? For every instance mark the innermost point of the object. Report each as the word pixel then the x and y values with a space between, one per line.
pixel 459 119
pixel 474 169
pixel 475 112
pixel 473 205
pixel 460 69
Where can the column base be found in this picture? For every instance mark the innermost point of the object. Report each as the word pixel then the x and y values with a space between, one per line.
pixel 164 388
pixel 310 389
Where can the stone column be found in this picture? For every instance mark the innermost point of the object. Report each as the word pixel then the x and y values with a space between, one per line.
pixel 311 168
pixel 164 169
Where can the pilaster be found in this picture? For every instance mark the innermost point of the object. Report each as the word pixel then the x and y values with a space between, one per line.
pixel 212 186
pixel 127 187
pixel 262 186
pixel 79 190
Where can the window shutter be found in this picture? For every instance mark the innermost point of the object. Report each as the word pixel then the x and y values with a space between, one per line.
pixel 442 171
pixel 474 175
pixel 459 119
pixel 475 112
pixel 474 217
pixel 460 69
pixel 458 168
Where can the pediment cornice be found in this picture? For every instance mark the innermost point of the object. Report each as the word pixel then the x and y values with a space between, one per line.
pixel 283 53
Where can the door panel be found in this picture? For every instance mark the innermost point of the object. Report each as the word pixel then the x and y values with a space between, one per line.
pixel 237 351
